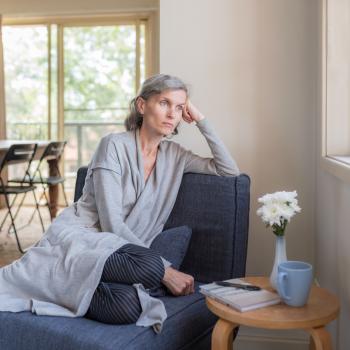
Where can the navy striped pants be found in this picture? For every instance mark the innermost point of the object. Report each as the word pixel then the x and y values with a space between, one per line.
pixel 115 300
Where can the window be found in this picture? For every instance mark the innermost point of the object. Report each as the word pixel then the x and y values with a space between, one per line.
pixel 336 88
pixel 72 79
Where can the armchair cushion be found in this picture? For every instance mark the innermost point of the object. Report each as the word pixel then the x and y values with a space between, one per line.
pixel 172 244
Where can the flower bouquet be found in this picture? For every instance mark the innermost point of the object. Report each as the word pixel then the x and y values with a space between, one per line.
pixel 276 211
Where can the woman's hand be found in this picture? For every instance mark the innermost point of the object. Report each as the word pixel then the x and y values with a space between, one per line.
pixel 178 283
pixel 190 113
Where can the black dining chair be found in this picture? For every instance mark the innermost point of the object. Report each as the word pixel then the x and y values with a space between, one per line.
pixel 53 151
pixel 16 154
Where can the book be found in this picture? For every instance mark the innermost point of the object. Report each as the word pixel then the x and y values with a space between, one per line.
pixel 240 299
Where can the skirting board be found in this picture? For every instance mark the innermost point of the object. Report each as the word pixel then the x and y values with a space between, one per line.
pixel 261 339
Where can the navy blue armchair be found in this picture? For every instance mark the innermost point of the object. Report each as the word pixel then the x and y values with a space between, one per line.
pixel 217 210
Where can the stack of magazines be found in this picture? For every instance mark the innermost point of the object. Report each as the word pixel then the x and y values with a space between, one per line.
pixel 240 299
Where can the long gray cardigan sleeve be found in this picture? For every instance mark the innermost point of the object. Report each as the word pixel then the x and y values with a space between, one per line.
pixel 221 164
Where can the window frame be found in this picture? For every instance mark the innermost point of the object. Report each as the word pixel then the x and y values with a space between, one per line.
pixel 332 164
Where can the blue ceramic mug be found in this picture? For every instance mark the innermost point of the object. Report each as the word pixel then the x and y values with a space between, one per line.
pixel 294 279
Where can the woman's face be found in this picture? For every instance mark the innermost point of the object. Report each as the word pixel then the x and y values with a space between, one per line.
pixel 162 112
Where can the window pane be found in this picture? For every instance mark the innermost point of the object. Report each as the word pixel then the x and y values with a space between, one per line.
pixel 25 56
pixel 338 79
pixel 99 78
pixel 99 66
pixel 143 53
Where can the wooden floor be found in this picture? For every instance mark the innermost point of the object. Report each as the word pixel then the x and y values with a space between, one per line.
pixel 27 235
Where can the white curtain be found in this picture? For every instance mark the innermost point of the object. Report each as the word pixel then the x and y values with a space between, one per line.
pixel 2 88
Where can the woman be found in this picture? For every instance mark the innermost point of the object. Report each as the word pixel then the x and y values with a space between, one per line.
pixel 94 259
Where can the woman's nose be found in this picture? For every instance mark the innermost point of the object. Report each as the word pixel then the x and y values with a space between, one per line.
pixel 171 113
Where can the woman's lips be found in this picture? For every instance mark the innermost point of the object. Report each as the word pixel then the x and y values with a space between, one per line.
pixel 169 125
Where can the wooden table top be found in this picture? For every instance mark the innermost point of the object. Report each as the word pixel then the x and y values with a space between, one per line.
pixel 322 307
pixel 6 144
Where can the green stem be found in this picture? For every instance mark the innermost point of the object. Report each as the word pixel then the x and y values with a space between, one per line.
pixel 278 230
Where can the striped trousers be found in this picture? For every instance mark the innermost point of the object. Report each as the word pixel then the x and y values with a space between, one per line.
pixel 115 300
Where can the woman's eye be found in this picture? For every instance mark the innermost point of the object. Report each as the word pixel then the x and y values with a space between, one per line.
pixel 180 108
pixel 163 103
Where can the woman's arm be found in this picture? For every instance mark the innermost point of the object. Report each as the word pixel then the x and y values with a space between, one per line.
pixel 222 163
pixel 107 189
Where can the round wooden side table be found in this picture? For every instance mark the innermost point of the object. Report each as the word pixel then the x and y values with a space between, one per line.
pixel 321 308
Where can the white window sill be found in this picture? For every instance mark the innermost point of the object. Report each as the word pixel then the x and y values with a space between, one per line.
pixel 339 166
pixel 342 159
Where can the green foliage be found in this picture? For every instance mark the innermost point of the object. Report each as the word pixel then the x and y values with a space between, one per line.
pixel 99 70
pixel 25 53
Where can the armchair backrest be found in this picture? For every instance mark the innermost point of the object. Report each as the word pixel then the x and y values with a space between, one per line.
pixel 217 210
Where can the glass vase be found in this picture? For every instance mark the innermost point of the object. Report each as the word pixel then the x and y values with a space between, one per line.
pixel 280 256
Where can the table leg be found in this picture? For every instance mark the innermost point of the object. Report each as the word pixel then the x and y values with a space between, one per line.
pixel 222 337
pixel 320 339
pixel 53 190
pixel 4 179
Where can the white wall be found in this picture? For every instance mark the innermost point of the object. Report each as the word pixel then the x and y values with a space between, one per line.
pixel 251 65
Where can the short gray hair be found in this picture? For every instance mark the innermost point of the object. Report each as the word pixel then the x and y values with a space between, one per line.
pixel 152 86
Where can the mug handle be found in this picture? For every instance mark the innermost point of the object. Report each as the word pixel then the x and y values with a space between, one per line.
pixel 282 276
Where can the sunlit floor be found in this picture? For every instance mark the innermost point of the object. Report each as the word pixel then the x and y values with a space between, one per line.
pixel 28 235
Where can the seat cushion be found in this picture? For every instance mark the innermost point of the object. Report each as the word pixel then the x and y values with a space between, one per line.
pixel 172 244
pixel 188 320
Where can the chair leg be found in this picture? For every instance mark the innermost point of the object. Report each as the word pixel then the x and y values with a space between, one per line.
pixel 47 202
pixel 13 224
pixel 7 214
pixel 19 205
pixel 64 194
pixel 34 211
pixel 37 208
pixel 17 209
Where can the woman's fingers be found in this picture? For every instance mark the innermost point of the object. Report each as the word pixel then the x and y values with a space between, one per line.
pixel 188 288
pixel 192 285
pixel 193 112
pixel 189 285
pixel 177 282
pixel 186 116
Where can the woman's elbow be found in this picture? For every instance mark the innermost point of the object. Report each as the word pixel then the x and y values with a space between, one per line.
pixel 228 170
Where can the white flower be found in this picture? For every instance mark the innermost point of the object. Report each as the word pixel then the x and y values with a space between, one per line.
pixel 278 208
pixel 270 214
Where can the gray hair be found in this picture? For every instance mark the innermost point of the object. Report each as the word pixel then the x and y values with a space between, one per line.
pixel 152 86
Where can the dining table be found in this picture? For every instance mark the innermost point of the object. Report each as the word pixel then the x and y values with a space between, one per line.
pixel 53 165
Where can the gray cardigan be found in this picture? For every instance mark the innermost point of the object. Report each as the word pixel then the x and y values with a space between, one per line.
pixel 59 275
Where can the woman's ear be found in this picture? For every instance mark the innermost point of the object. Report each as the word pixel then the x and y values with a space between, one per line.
pixel 140 105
